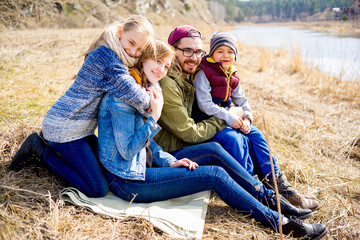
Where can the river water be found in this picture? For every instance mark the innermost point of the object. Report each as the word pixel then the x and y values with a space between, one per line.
pixel 331 53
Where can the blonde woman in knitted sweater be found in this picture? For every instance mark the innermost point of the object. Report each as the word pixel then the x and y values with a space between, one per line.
pixel 67 144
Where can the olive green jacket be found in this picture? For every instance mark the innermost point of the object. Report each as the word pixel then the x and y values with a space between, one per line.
pixel 179 130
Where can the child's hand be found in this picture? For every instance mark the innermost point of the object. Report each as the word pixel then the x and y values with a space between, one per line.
pixel 148 92
pixel 184 163
pixel 237 123
pixel 245 128
pixel 152 89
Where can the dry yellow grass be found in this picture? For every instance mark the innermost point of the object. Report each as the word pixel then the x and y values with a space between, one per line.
pixel 312 121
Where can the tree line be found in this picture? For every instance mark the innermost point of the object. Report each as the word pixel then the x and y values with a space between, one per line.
pixel 278 10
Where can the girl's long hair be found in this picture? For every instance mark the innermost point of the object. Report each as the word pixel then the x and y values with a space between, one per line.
pixel 158 50
pixel 108 37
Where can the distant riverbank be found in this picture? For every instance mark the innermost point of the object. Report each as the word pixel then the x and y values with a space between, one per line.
pixel 334 54
pixel 340 27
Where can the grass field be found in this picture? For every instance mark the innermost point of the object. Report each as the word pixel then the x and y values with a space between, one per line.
pixel 312 121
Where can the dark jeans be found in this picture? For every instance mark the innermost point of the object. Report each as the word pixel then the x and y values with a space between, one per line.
pixel 218 171
pixel 78 165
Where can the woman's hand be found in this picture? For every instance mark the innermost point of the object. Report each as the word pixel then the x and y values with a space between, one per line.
pixel 156 103
pixel 184 163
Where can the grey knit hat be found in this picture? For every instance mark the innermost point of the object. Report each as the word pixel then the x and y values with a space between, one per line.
pixel 223 39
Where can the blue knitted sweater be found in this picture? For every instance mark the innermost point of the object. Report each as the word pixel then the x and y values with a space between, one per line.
pixel 75 114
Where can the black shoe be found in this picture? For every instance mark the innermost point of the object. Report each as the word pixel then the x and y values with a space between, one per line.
pixel 302 230
pixel 30 152
pixel 288 209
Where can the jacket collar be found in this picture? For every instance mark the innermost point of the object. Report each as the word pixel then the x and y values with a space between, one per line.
pixel 185 84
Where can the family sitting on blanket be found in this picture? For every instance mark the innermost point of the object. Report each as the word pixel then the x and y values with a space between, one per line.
pixel 128 161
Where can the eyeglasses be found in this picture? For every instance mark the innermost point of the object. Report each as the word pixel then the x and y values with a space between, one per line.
pixel 187 52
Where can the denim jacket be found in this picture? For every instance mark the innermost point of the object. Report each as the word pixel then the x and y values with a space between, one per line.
pixel 123 136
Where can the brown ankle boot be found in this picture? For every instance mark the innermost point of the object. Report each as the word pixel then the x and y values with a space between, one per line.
pixel 286 189
pixel 309 196
pixel 301 202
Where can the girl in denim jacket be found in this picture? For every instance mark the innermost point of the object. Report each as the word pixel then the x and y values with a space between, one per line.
pixel 67 144
pixel 124 135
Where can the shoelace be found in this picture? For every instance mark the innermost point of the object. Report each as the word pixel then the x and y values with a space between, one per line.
pixel 296 221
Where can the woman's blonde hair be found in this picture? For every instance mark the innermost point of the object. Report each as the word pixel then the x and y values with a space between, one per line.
pixel 158 50
pixel 108 37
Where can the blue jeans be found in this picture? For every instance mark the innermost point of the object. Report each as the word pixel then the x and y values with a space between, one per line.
pixel 214 154
pixel 78 165
pixel 235 143
pixel 225 179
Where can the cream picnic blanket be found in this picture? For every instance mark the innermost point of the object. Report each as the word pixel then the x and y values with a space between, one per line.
pixel 182 217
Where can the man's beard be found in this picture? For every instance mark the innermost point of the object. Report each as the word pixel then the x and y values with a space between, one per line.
pixel 188 70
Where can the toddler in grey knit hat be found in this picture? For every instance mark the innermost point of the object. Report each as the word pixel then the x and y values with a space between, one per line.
pixel 223 38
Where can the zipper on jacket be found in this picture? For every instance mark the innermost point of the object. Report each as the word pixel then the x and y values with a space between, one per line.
pixel 227 84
